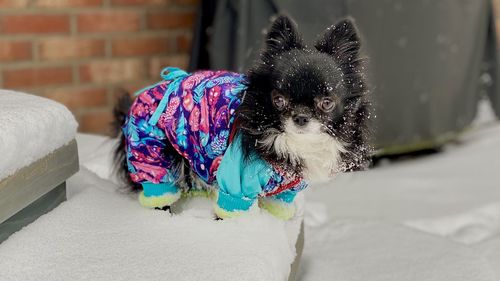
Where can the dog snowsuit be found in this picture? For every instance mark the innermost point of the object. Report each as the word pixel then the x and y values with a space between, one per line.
pixel 195 113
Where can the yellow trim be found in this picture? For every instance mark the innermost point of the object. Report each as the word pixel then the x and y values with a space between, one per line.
pixel 199 193
pixel 277 208
pixel 158 201
pixel 223 214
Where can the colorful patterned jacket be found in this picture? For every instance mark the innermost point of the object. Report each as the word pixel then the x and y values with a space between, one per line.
pixel 195 113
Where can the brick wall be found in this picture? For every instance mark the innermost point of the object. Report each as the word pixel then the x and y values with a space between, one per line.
pixel 496 11
pixel 82 52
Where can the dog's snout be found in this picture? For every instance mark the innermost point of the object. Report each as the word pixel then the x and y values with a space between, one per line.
pixel 301 119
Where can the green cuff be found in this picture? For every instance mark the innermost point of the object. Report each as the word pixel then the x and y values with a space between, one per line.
pixel 224 214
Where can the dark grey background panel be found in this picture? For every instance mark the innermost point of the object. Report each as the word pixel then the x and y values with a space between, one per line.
pixel 426 57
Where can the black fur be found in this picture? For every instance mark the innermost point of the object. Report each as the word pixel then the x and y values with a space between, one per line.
pixel 120 112
pixel 120 162
pixel 333 68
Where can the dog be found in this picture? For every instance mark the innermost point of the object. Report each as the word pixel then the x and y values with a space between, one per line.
pixel 299 115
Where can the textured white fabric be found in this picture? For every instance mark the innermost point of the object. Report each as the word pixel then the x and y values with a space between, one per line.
pixel 30 128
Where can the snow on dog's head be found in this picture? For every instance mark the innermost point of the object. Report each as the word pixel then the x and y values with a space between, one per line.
pixel 307 107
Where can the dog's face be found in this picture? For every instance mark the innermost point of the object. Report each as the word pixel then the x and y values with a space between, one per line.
pixel 307 92
pixel 307 107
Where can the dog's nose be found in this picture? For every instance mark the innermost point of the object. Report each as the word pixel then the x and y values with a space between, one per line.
pixel 301 119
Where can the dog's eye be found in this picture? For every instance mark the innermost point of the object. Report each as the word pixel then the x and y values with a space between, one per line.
pixel 279 100
pixel 326 104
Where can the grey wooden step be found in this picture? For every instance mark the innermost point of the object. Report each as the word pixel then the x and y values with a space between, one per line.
pixel 33 211
pixel 31 183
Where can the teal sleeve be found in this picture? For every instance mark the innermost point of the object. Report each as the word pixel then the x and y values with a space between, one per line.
pixel 158 189
pixel 286 196
pixel 240 180
pixel 158 195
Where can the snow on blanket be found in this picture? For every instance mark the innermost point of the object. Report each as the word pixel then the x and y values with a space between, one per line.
pixel 102 234
pixel 377 251
pixel 468 227
pixel 368 226
pixel 431 218
pixel 434 218
pixel 31 127
pixel 96 155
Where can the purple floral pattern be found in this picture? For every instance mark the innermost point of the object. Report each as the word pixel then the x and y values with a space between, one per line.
pixel 197 121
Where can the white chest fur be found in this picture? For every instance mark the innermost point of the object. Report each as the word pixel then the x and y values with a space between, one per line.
pixel 318 151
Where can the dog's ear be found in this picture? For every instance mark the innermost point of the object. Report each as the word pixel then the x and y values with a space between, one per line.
pixel 282 36
pixel 340 41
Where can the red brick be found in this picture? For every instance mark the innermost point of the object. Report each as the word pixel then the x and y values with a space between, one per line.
pixel 133 87
pixel 113 71
pixel 67 3
pixel 14 51
pixel 183 42
pixel 29 23
pixel 13 3
pixel 97 122
pixel 496 8
pixel 76 97
pixel 139 2
pixel 167 19
pixel 158 63
pixel 67 48
pixel 112 21
pixel 29 77
pixel 140 46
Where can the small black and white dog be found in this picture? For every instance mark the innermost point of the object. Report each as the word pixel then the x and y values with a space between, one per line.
pixel 306 106
pixel 306 109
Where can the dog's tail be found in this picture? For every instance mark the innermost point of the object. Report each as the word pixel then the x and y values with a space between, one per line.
pixel 120 113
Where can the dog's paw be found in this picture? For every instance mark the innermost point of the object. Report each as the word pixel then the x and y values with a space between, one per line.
pixel 277 208
pixel 154 202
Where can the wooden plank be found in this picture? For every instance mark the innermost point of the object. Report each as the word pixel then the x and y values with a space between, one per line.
pixel 30 213
pixel 30 183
